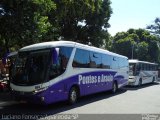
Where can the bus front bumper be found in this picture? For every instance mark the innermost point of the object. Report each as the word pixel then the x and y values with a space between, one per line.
pixel 28 97
pixel 132 81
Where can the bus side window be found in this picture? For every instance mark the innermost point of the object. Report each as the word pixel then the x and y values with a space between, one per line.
pixel 79 61
pixel 60 58
pixel 95 60
pixel 64 56
pixel 115 63
pixel 138 68
pixel 55 66
pixel 106 61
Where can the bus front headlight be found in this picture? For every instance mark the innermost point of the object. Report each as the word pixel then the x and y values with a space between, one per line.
pixel 39 90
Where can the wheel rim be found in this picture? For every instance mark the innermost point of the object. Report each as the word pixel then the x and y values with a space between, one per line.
pixel 114 88
pixel 73 96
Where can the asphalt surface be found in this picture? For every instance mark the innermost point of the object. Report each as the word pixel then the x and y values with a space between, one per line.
pixel 129 100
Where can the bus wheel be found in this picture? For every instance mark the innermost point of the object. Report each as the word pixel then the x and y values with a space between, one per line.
pixel 73 95
pixel 114 87
pixel 140 82
pixel 153 79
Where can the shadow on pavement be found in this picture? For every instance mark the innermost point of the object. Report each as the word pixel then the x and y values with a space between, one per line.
pixel 141 87
pixel 39 110
pixel 5 96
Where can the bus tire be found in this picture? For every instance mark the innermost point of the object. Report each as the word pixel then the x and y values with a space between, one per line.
pixel 153 79
pixel 140 82
pixel 114 87
pixel 73 95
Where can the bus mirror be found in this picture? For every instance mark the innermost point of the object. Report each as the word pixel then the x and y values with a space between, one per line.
pixel 55 54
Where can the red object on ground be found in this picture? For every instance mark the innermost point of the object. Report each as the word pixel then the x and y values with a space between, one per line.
pixel 3 86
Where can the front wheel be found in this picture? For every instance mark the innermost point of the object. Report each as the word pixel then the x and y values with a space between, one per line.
pixel 153 79
pixel 140 83
pixel 73 95
pixel 114 87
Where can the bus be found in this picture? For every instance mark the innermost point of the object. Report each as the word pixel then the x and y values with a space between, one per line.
pixel 142 72
pixel 56 71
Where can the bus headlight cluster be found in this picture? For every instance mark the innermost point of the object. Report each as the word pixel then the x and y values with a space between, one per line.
pixel 39 90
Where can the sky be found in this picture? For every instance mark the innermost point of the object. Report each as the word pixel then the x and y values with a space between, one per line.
pixel 132 14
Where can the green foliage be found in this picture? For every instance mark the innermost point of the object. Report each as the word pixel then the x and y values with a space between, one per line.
pixel 84 20
pixel 31 21
pixel 28 22
pixel 107 42
pixel 155 28
pixel 136 44
pixel 123 46
pixel 142 52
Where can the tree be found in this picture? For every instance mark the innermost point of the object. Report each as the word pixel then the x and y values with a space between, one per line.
pixel 137 44
pixel 84 20
pixel 155 28
pixel 27 22
pixel 108 42
pixel 123 46
pixel 142 52
pixel 154 51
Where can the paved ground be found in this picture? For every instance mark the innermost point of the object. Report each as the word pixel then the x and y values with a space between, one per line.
pixel 129 100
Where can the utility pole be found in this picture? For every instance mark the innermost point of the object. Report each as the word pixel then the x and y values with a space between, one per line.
pixel 132 50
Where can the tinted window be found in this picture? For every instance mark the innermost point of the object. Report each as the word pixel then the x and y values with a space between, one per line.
pixel 150 67
pixel 106 61
pixel 65 53
pixel 121 62
pixel 30 68
pixel 95 60
pixel 132 69
pixel 142 66
pixel 115 62
pixel 153 67
pixel 126 62
pixel 81 59
pixel 59 61
pixel 138 67
pixel 90 59
pixel 147 66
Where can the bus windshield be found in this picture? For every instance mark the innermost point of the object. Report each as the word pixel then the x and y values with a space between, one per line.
pixel 30 67
pixel 132 69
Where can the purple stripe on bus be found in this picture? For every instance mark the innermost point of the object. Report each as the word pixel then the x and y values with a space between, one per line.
pixel 89 83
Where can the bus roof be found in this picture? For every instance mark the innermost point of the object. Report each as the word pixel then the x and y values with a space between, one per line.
pixel 45 45
pixel 138 61
pixel 12 54
pixel 52 44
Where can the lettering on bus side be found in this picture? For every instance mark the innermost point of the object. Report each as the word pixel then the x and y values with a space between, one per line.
pixel 90 79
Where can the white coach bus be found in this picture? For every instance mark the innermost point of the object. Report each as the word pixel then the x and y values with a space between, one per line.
pixel 56 71
pixel 142 72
